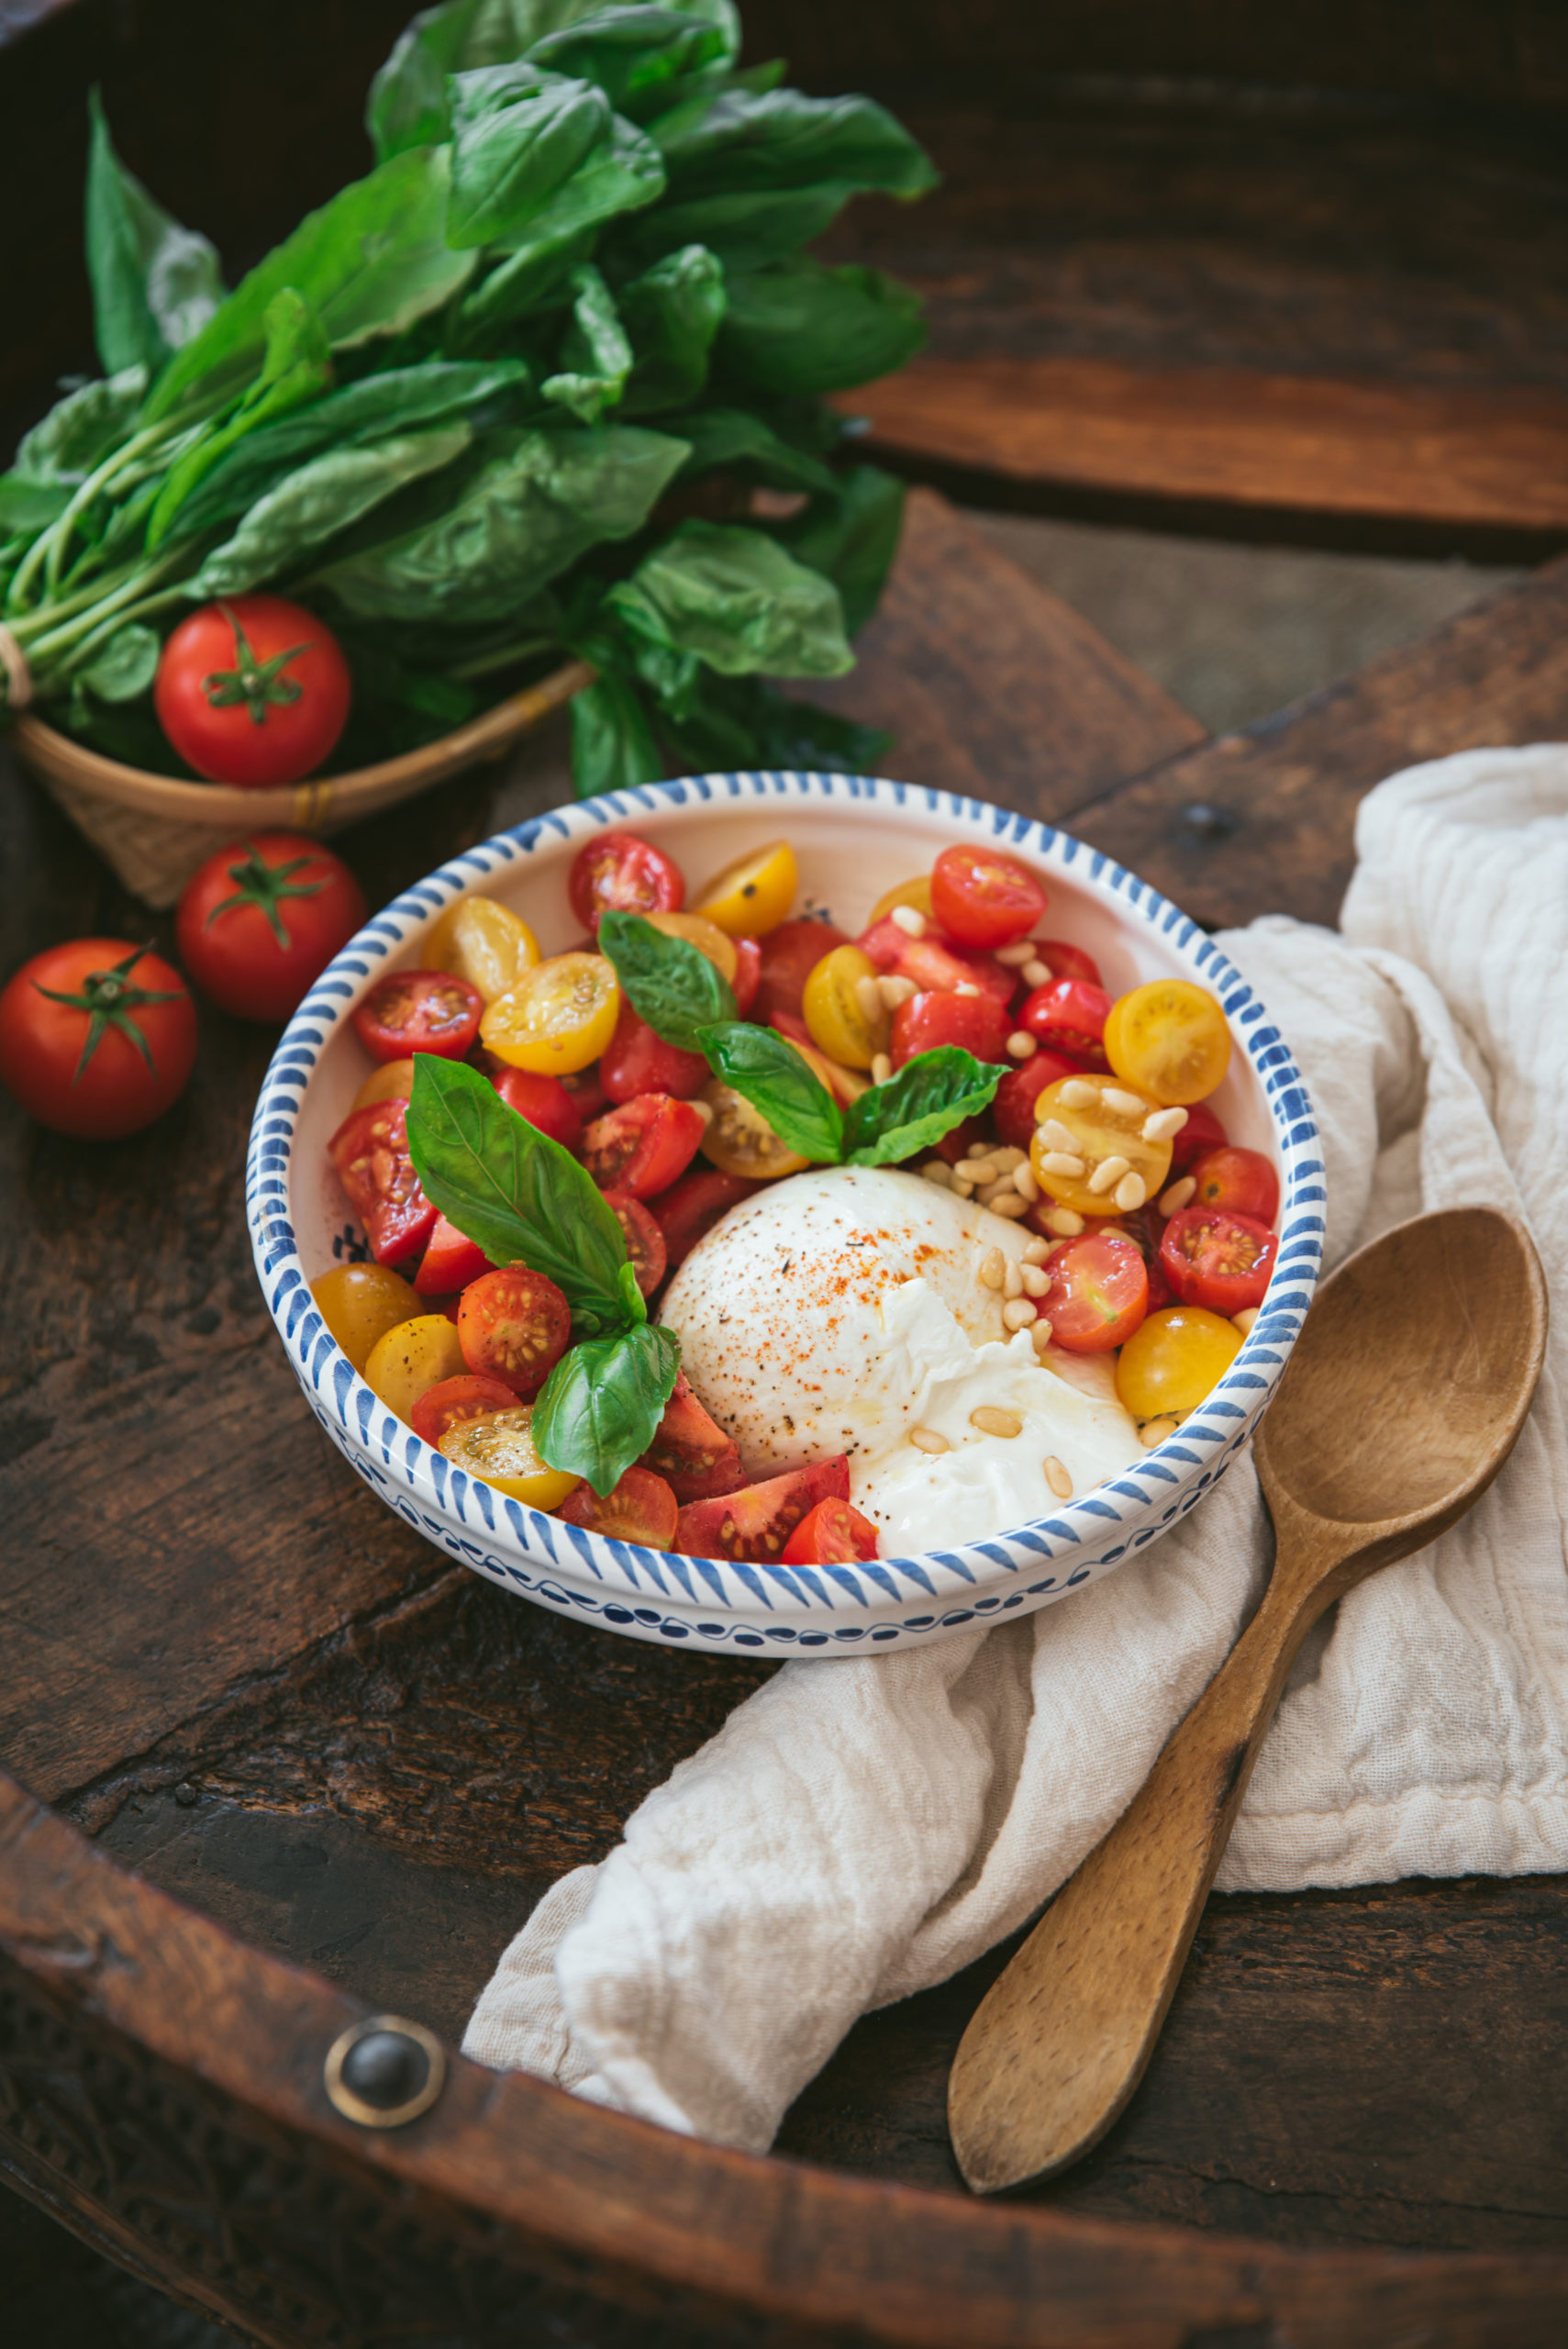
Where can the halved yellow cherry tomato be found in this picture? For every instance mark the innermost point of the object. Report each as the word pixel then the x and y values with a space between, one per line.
pixel 392 1080
pixel 1170 1039
pixel 739 1140
pixel 837 1018
pixel 498 1447
pixel 483 942
pixel 360 1303
pixel 915 893
pixel 705 935
pixel 753 894
pixel 413 1358
pixel 1174 1359
pixel 559 1017
pixel 1093 1121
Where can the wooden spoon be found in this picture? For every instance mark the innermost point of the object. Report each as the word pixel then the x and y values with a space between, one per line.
pixel 1408 1384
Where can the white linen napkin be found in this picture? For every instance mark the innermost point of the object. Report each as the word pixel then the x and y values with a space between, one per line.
pixel 861 1828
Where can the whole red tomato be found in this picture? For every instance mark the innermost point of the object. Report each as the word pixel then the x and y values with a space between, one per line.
pixel 252 690
pixel 96 1038
pixel 259 921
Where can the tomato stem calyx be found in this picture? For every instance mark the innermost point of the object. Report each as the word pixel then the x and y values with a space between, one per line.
pixel 264 885
pixel 109 997
pixel 254 683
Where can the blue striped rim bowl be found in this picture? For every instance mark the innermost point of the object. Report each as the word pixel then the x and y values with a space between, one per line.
pixel 853 837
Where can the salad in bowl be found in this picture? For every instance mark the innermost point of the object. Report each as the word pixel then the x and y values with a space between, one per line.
pixel 786 1210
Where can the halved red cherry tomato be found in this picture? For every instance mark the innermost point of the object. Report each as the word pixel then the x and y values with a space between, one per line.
pixel 1012 1105
pixel 587 1095
pixel 640 1508
pixel 1065 961
pixel 369 1151
pixel 619 873
pixel 691 1208
pixel 1202 1133
pixel 252 690
pixel 513 1325
pixel 637 1060
pixel 454 1400
pixel 96 1038
pixel 984 899
pixel 642 1146
pixel 1143 1228
pixel 831 1534
pixel 789 954
pixel 1069 1015
pixel 937 966
pixel 450 1261
pixel 419 1011
pixel 1099 1293
pixel 545 1102
pixel 692 1451
pixel 1242 1182
pixel 756 1521
pixel 1221 1261
pixel 261 919
pixel 645 1247
pixel 748 974
pixel 977 1022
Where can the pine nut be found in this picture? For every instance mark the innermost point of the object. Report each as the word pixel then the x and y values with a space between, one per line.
pixel 1056 1476
pixel 881 1068
pixel 1014 956
pixel 1036 974
pixel 1172 1201
pixel 1037 1252
pixel 1025 1184
pixel 938 1170
pixel 1245 1319
pixel 1021 1045
pixel 1066 1222
pixel 1163 1125
pixel 993 1268
pixel 1155 1431
pixel 1130 1193
pixel 1077 1092
pixel 1064 1164
pixel 1054 1135
pixel 1036 1281
pixel 1126 1105
pixel 1040 1334
pixel 966 987
pixel 1018 1314
pixel 1110 1172
pixel 1002 1188
pixel 990 1421
pixel 975 1170
pixel 704 1111
pixel 927 1439
pixel 912 922
pixel 1008 1206
pixel 895 991
pixel 1012 1280
pixel 964 1190
pixel 1004 1157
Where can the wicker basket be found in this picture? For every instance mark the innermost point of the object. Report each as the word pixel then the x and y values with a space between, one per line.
pixel 155 831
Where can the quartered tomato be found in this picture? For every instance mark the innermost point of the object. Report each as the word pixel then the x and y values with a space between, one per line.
pixel 739 1140
pixel 1099 1293
pixel 976 1023
pixel 483 942
pixel 418 1011
pixel 752 895
pixel 260 920
pixel 838 1020
pixel 1069 1015
pixel 360 1303
pixel 97 1038
pixel 984 899
pixel 756 1521
pixel 692 1206
pixel 640 1508
pixel 916 892
pixel 499 1449
pixel 619 873
pixel 790 955
pixel 748 975
pixel 544 1102
pixel 392 1080
pixel 1242 1182
pixel 636 1060
pixel 1218 1260
pixel 369 1151
pixel 558 1017
pixel 454 1400
pixel 1093 1127
pixel 831 1534
pixel 410 1360
pixel 645 1248
pixel 1169 1039
pixel 1012 1104
pixel 1202 1133
pixel 1174 1359
pixel 1067 961
pixel 450 1261
pixel 692 1451
pixel 935 965
pixel 643 1145
pixel 252 690
pixel 513 1325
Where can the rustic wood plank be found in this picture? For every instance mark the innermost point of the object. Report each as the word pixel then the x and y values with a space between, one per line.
pixel 1264 820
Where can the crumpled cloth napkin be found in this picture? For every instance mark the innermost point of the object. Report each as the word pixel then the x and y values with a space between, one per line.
pixel 861 1828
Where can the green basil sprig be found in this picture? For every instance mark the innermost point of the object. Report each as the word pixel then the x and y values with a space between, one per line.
pixel 930 1095
pixel 667 981
pixel 766 1068
pixel 600 1407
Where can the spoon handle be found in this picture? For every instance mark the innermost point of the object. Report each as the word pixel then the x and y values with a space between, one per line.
pixel 1059 2042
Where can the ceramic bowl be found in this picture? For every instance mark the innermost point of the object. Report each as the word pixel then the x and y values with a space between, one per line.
pixel 853 838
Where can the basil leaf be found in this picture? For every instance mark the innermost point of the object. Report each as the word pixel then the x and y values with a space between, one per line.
pixel 672 314
pixel 77 434
pixel 930 1095
pixel 799 328
pixel 155 284
pixel 667 981
pixel 126 667
pixel 634 1305
pixel 518 133
pixel 852 536
pixel 409 103
pixel 321 498
pixel 613 747
pixel 635 52
pixel 29 506
pixel 736 599
pixel 781 139
pixel 740 441
pixel 297 368
pixel 772 1076
pixel 600 1407
pixel 595 357
pixel 513 1192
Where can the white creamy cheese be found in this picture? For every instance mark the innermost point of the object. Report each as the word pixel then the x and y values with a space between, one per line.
pixel 841 1308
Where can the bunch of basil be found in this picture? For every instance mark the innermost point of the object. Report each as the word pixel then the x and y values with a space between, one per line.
pixel 509 397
